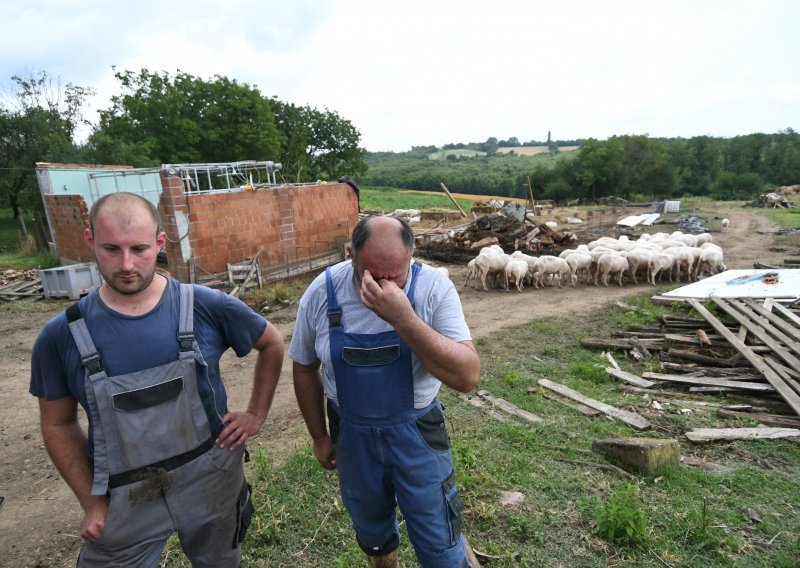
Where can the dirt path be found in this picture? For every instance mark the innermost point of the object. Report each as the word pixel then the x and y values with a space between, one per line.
pixel 39 523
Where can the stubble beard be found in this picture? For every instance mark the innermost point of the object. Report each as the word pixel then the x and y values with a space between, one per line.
pixel 133 287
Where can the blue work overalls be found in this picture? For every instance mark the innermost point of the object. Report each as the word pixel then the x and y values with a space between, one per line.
pixel 387 452
pixel 155 458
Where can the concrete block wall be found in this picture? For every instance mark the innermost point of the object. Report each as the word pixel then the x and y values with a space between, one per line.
pixel 68 217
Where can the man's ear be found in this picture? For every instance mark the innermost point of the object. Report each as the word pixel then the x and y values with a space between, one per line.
pixel 161 240
pixel 350 255
pixel 88 238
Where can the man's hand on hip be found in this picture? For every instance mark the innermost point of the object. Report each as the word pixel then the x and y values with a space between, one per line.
pixel 239 426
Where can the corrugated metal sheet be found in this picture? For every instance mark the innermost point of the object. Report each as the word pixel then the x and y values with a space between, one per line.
pixel 743 284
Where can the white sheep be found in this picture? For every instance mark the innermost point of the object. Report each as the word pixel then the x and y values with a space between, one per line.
pixel 550 266
pixel 711 259
pixel 609 264
pixel 578 262
pixel 639 258
pixel 661 262
pixel 490 265
pixel 516 272
pixel 725 224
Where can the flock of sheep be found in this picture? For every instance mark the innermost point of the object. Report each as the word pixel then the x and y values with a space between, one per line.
pixel 678 256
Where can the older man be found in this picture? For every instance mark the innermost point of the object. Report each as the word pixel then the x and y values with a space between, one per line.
pixel 376 336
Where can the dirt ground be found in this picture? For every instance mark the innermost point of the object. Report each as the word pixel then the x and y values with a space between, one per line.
pixel 40 518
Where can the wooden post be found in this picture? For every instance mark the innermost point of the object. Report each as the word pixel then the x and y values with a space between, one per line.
pixel 530 193
pixel 452 199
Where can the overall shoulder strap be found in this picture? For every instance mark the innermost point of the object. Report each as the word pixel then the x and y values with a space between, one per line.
pixel 83 341
pixel 415 268
pixel 186 321
pixel 334 310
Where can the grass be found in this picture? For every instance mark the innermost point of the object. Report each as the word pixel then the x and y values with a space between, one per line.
pixel 17 252
pixel 388 199
pixel 680 516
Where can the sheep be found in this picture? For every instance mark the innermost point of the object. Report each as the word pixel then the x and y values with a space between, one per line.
pixel 609 264
pixel 529 260
pixel 516 272
pixel 472 273
pixel 578 261
pixel 711 259
pixel 548 265
pixel 638 258
pixel 659 263
pixel 489 265
pixel 703 238
pixel 683 259
pixel 725 224
pixel 492 249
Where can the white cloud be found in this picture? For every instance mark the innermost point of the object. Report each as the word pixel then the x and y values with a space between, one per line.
pixel 419 73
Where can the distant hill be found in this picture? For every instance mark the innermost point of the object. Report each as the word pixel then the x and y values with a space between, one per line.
pixel 532 150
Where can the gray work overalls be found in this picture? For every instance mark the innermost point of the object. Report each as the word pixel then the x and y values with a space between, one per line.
pixel 155 457
pixel 387 451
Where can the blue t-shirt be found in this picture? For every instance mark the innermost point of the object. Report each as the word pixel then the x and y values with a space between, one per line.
pixel 132 343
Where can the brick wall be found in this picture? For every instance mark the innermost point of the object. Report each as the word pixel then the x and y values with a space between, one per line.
pixel 207 231
pixel 69 216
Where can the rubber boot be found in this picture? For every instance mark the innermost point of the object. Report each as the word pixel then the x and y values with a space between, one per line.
pixel 385 561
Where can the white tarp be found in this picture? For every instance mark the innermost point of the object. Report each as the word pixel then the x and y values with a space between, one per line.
pixel 754 283
pixel 643 219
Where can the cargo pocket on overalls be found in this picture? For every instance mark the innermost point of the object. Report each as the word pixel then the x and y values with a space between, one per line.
pixel 244 514
pixel 454 507
pixel 432 428
pixel 334 422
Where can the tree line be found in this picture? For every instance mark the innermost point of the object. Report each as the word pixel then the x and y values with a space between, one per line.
pixel 158 118
pixel 630 167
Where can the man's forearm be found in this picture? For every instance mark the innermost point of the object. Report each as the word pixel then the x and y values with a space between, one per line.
pixel 66 446
pixel 267 373
pixel 310 398
pixel 455 364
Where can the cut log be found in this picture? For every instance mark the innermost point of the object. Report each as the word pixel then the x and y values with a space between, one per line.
pixel 630 418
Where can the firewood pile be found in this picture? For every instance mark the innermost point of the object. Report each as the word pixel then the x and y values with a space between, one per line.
pixel 20 285
pixel 752 355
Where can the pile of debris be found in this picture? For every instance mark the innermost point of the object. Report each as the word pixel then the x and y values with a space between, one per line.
pixel 771 200
pixel 20 285
pixel 512 228
pixel 752 357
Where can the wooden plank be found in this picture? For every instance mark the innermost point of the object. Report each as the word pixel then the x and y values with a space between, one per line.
pixel 503 404
pixel 582 408
pixel 787 312
pixel 629 377
pixel 699 358
pixel 777 321
pixel 630 418
pixel 712 434
pixel 711 382
pixel 775 420
pixel 791 397
pixel 762 329
pixel 481 404
pixel 452 199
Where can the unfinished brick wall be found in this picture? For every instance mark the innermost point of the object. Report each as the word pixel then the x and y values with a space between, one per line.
pixel 69 216
pixel 207 231
pixel 287 224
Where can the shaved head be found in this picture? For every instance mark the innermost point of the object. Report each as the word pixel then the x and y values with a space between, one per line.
pixel 124 207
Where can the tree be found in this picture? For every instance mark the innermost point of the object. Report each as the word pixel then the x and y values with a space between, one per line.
pixel 38 120
pixel 317 144
pixel 185 119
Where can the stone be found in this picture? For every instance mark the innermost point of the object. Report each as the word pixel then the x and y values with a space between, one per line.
pixel 643 454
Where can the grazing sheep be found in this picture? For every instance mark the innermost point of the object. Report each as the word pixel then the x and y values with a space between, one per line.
pixel 577 262
pixel 472 273
pixel 609 264
pixel 703 238
pixel 661 262
pixel 490 265
pixel 711 260
pixel 638 258
pixel 516 272
pixel 550 266
pixel 725 224
pixel 684 259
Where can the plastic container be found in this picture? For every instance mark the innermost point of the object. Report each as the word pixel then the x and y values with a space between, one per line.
pixel 71 281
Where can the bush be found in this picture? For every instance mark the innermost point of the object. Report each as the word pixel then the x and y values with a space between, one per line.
pixel 620 519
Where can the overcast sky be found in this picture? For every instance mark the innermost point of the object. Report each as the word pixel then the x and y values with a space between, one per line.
pixel 418 72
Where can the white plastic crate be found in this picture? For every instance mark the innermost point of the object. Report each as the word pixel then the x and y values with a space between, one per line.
pixel 71 281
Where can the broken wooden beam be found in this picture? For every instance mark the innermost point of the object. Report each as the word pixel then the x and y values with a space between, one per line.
pixel 711 382
pixel 714 434
pixel 775 420
pixel 630 418
pixel 629 377
pixel 508 407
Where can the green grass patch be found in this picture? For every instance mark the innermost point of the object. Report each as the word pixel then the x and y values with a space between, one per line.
pixel 387 199
pixel 571 514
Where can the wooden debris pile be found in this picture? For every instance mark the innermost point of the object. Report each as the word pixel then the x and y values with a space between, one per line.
pixel 20 285
pixel 752 356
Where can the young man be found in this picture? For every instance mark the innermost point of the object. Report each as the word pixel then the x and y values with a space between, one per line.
pixel 141 355
pixel 386 333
